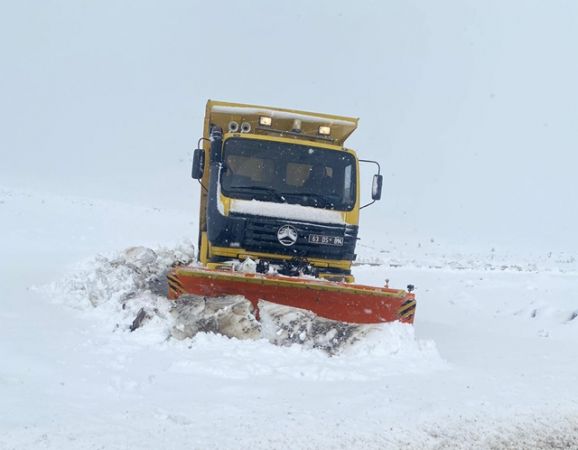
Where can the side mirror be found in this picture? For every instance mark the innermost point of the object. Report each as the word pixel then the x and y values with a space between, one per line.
pixel 198 163
pixel 376 187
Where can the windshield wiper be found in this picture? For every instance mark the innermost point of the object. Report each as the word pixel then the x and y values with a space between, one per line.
pixel 319 199
pixel 271 191
pixel 307 194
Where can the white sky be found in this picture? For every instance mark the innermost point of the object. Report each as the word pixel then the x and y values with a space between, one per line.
pixel 471 107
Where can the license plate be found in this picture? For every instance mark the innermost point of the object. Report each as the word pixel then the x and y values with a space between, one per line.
pixel 325 240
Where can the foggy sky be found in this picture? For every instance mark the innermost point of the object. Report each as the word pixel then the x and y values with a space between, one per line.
pixel 471 107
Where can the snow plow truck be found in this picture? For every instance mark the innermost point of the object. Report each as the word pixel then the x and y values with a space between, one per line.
pixel 279 215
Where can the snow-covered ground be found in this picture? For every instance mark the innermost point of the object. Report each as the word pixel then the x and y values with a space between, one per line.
pixel 491 363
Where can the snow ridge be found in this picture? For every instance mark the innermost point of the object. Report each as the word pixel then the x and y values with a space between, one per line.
pixel 117 289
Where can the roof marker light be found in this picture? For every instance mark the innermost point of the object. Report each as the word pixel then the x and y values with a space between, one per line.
pixel 324 130
pixel 265 121
pixel 297 126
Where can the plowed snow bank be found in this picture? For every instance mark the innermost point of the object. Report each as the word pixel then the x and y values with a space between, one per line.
pixel 131 285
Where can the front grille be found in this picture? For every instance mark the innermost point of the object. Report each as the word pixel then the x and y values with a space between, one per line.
pixel 261 235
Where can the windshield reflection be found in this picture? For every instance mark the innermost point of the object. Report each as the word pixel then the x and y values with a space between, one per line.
pixel 288 173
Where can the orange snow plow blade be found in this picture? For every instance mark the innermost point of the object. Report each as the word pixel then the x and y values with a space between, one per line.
pixel 344 302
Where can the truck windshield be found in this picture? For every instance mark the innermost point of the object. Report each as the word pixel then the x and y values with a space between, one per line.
pixel 288 173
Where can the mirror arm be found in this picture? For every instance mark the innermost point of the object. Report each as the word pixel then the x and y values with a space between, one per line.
pixel 203 186
pixel 372 162
pixel 378 172
pixel 366 205
pixel 199 156
pixel 202 139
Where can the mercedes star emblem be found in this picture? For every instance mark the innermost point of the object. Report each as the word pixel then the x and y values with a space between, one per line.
pixel 287 235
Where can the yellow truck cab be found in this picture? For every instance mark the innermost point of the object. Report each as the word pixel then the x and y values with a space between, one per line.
pixel 279 187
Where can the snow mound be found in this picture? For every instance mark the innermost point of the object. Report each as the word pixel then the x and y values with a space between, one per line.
pixel 127 291
pixel 283 325
pixel 135 272
pixel 234 317
pixel 124 291
pixel 230 316
pixel 388 350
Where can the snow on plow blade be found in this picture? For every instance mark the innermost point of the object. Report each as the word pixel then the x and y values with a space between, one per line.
pixel 344 302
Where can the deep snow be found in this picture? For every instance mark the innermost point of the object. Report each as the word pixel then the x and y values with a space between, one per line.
pixel 492 363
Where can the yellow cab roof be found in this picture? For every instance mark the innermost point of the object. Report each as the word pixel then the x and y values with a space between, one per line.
pixel 282 121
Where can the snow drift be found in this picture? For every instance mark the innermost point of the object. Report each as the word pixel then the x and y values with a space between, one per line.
pixel 129 289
